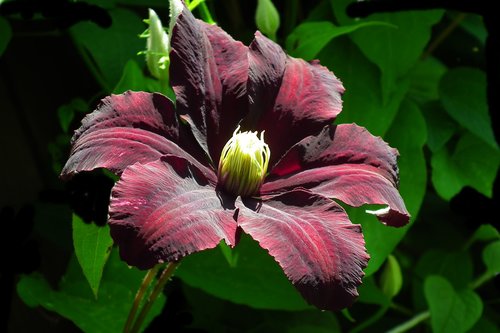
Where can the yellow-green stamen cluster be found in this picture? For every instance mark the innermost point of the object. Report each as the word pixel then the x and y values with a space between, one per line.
pixel 243 163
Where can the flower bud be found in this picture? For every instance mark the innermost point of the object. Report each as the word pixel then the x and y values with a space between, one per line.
pixel 267 18
pixel 243 163
pixel 157 58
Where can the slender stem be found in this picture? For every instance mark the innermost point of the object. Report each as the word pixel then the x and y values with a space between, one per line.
pixel 409 324
pixel 165 275
pixel 481 279
pixel 205 13
pixel 444 34
pixel 139 296
pixel 401 309
pixel 371 320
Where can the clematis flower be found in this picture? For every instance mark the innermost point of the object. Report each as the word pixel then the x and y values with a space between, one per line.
pixel 249 145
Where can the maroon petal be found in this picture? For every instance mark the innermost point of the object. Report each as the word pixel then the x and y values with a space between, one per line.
pixel 290 98
pixel 165 210
pixel 208 73
pixel 320 250
pixel 344 162
pixel 129 128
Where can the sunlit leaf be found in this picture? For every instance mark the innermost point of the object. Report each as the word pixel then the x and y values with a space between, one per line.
pixel 451 311
pixel 92 245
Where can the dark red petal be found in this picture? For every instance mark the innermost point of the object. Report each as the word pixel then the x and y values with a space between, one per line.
pixel 290 98
pixel 320 250
pixel 165 210
pixel 129 128
pixel 208 72
pixel 344 162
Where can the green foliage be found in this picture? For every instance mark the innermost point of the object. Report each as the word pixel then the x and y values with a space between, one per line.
pixel 92 248
pixel 391 49
pixel 463 93
pixel 252 277
pixel 108 50
pixel 470 163
pixel 309 38
pixel 75 301
pixel 491 257
pixel 451 311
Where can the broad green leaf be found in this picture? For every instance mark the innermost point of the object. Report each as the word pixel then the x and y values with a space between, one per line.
pixel 472 163
pixel 408 135
pixel 451 311
pixel 391 279
pixel 363 103
pixel 491 257
pixel 214 315
pixel 5 34
pixel 75 301
pixel 253 278
pixel 425 77
pixel 463 94
pixel 309 38
pixel 443 263
pixel 92 245
pixel 440 127
pixel 132 78
pixel 392 50
pixel 108 50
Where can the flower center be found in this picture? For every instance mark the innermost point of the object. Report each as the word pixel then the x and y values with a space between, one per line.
pixel 243 163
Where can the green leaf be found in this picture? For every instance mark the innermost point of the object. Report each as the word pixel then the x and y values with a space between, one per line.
pixel 108 50
pixel 443 263
pixel 474 24
pixel 5 34
pixel 92 245
pixel 485 232
pixel 66 112
pixel 363 103
pixel 472 163
pixel 370 293
pixel 491 257
pixel 425 77
pixel 408 135
pixel 391 279
pixel 451 311
pixel 392 50
pixel 132 78
pixel 253 278
pixel 211 314
pixel 75 301
pixel 440 127
pixel 484 325
pixel 463 94
pixel 309 38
